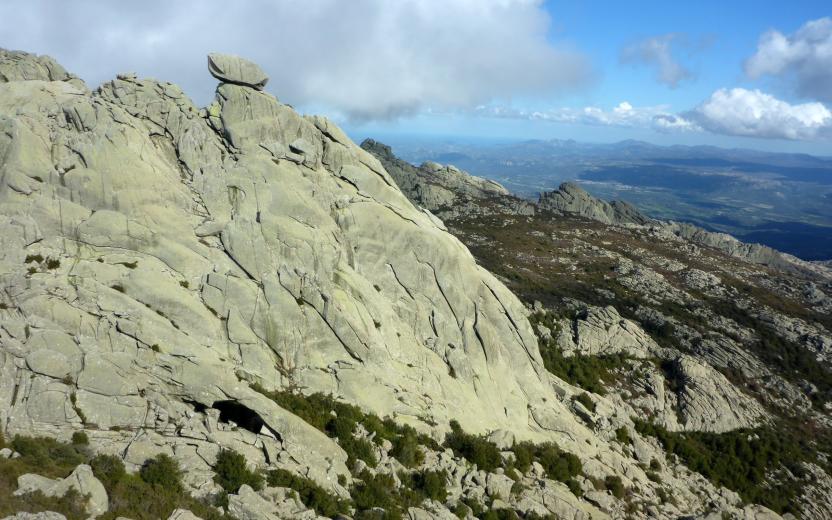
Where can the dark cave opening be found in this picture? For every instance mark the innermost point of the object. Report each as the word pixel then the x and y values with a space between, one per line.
pixel 242 416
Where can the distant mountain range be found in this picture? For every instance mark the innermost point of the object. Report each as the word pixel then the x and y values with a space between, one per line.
pixel 779 199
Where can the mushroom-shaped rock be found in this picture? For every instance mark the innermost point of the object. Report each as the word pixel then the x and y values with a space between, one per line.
pixel 234 69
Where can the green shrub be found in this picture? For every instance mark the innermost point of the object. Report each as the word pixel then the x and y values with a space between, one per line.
pixel 339 420
pixel 52 458
pixel 109 469
pixel 231 472
pixel 614 485
pixel 80 439
pixel 587 372
pixel 575 487
pixel 163 472
pixel 425 485
pixel 376 491
pixel 53 263
pixel 622 435
pixel 744 460
pixel 310 493
pixel 476 449
pixel 558 464
pixel 585 400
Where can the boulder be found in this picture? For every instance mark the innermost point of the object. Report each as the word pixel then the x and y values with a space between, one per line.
pixel 234 69
pixel 81 480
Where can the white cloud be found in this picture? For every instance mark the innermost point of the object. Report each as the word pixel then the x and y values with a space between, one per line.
pixel 804 58
pixel 737 111
pixel 657 52
pixel 622 115
pixel 362 58
pixel 755 114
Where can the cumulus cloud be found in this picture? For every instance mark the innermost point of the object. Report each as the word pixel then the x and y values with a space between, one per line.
pixel 362 58
pixel 737 111
pixel 657 52
pixel 804 58
pixel 755 114
pixel 622 115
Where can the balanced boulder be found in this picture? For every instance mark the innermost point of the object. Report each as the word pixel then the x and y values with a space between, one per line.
pixel 234 69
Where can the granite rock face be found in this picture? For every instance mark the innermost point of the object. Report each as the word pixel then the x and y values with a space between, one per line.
pixel 160 259
pixel 571 198
pixel 81 480
pixel 445 190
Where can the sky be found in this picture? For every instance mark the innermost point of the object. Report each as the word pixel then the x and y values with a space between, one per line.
pixel 734 74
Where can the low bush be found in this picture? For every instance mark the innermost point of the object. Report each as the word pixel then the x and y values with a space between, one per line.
pixel 585 400
pixel 476 449
pixel 558 464
pixel 614 485
pixel 339 420
pixel 231 472
pixel 622 435
pixel 163 472
pixel 80 439
pixel 310 493
pixel 587 372
pixel 47 456
pixel 743 460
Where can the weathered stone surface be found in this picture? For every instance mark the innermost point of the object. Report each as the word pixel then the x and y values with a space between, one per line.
pixel 446 191
pixel 81 480
pixel 46 515
pixel 601 332
pixel 709 402
pixel 571 198
pixel 183 514
pixel 234 69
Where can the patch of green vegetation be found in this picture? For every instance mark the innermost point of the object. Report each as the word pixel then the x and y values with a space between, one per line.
pixel 162 471
pixel 339 420
pixel 622 435
pixel 587 372
pixel 80 439
pixel 153 493
pixel 53 263
pixel 586 401
pixel 33 258
pixel 231 472
pixel 184 283
pixel 750 462
pixel 309 492
pixel 793 361
pixel 614 485
pixel 474 448
pixel 558 464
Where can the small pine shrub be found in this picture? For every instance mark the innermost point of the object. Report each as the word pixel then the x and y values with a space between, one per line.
pixel 80 439
pixel 476 449
pixel 622 435
pixel 310 493
pixel 585 400
pixel 614 485
pixel 163 472
pixel 109 469
pixel 231 472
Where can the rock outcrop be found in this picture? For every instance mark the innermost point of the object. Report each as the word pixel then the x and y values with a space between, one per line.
pixel 446 191
pixel 571 198
pixel 81 480
pixel 159 260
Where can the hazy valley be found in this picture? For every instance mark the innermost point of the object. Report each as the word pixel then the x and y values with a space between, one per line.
pixel 780 200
